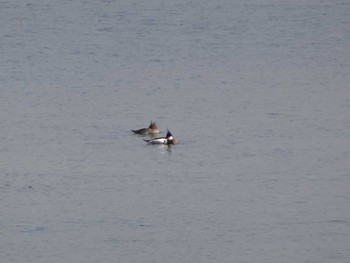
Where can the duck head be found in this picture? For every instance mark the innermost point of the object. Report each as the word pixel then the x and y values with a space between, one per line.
pixel 170 138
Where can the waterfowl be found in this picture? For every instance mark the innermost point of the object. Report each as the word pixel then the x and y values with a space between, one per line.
pixel 169 139
pixel 152 129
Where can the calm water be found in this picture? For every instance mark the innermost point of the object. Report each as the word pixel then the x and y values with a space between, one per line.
pixel 257 93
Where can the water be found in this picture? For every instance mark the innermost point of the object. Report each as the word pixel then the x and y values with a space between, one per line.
pixel 257 93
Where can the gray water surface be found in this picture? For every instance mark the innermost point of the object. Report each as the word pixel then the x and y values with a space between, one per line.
pixel 256 92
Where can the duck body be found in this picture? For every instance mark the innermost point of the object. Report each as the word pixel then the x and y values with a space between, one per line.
pixel 159 140
pixel 168 139
pixel 151 130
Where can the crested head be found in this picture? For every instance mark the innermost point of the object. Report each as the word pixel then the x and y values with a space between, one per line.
pixel 153 126
pixel 170 138
pixel 153 129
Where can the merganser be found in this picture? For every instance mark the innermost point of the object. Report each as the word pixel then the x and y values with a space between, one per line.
pixel 168 139
pixel 152 129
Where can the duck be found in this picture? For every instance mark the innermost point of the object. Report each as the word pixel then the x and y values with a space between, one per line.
pixel 169 139
pixel 151 130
